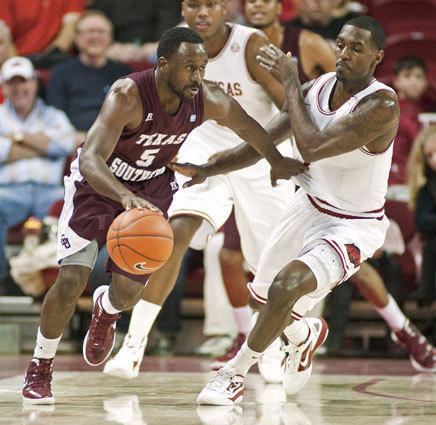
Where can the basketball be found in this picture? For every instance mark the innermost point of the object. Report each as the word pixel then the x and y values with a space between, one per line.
pixel 140 241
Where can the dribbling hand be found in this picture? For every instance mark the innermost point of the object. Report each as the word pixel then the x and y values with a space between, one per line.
pixel 196 172
pixel 286 168
pixel 132 201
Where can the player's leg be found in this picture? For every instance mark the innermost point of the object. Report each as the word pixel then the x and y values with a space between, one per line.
pixel 195 213
pixel 235 283
pixel 127 362
pixel 57 309
pixel 370 284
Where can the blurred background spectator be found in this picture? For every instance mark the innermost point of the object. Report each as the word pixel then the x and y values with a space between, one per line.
pixel 5 47
pixel 41 30
pixel 34 142
pixel 422 183
pixel 138 26
pixel 79 85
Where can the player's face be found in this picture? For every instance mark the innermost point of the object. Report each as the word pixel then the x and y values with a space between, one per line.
pixel 204 16
pixel 262 13
pixel 429 151
pixel 356 55
pixel 186 70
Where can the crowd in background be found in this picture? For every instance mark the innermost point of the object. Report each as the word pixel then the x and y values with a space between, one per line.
pixel 58 60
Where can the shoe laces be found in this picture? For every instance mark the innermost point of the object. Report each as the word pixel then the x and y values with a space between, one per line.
pixel 221 379
pixel 293 354
pixel 100 325
pixel 132 345
pixel 40 372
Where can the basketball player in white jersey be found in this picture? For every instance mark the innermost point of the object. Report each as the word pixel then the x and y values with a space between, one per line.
pixel 343 124
pixel 197 212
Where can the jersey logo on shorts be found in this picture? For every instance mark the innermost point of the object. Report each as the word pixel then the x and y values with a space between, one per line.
pixel 65 242
pixel 353 254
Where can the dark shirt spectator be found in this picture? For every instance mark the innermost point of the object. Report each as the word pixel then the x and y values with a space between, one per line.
pixel 138 25
pixel 79 85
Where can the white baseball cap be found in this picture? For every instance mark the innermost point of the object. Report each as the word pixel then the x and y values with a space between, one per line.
pixel 17 67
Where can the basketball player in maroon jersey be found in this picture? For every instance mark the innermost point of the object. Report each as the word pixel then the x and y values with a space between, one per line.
pixel 315 56
pixel 123 165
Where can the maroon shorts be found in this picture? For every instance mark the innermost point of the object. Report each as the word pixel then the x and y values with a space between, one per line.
pixel 93 213
pixel 231 234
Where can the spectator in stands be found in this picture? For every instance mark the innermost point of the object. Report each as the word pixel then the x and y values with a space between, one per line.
pixel 34 141
pixel 79 85
pixel 138 25
pixel 318 16
pixel 422 184
pixel 41 30
pixel 5 46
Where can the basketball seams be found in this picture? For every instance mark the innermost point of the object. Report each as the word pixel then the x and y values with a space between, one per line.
pixel 150 235
pixel 141 254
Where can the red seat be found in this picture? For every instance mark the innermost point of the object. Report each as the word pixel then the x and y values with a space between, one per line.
pixel 389 11
pixel 414 43
pixel 426 26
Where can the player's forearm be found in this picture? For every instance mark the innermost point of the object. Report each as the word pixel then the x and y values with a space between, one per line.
pixel 304 129
pixel 94 169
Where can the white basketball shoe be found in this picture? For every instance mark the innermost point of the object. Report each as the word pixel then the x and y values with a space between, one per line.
pixel 126 363
pixel 271 363
pixel 298 366
pixel 224 389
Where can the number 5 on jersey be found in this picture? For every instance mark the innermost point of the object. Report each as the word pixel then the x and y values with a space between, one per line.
pixel 147 157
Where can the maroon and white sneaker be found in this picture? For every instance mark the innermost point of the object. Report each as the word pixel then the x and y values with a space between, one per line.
pixel 231 352
pixel 224 389
pixel 298 366
pixel 422 354
pixel 100 338
pixel 37 382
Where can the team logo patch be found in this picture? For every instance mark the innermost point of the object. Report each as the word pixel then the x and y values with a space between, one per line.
pixel 353 254
pixel 235 47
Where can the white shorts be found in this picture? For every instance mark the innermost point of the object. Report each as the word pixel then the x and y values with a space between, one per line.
pixel 333 248
pixel 257 205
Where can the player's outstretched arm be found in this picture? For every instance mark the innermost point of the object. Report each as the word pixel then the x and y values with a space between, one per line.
pixel 121 108
pixel 373 124
pixel 229 113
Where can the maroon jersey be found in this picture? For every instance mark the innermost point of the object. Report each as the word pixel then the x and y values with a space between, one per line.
pixel 142 153
pixel 291 38
pixel 139 161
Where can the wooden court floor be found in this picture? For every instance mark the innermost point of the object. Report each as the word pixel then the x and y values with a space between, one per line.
pixel 342 391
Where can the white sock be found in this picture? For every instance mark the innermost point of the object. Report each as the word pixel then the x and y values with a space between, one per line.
pixel 245 358
pixel 45 348
pixel 297 331
pixel 242 317
pixel 392 314
pixel 107 305
pixel 143 316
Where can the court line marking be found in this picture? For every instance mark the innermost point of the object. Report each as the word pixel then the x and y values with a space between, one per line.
pixel 363 389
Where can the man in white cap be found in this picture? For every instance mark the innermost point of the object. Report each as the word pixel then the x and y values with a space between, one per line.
pixel 34 141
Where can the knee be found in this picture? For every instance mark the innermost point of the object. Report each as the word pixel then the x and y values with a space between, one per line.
pixel 184 228
pixel 254 305
pixel 71 283
pixel 287 289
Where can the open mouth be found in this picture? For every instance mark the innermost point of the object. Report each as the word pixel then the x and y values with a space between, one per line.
pixel 202 26
pixel 194 90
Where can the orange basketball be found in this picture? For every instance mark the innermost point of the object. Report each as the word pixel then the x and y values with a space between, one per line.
pixel 140 241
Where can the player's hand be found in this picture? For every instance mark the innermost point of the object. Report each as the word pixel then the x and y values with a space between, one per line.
pixel 287 168
pixel 280 65
pixel 131 201
pixel 197 172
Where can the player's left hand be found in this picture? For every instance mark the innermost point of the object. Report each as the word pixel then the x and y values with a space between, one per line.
pixel 287 168
pixel 197 172
pixel 280 65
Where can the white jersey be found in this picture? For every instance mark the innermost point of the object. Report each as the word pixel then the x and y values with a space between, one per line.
pixel 353 184
pixel 229 71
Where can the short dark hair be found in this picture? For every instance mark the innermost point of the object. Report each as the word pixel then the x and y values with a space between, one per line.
pixel 378 35
pixel 409 62
pixel 172 38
